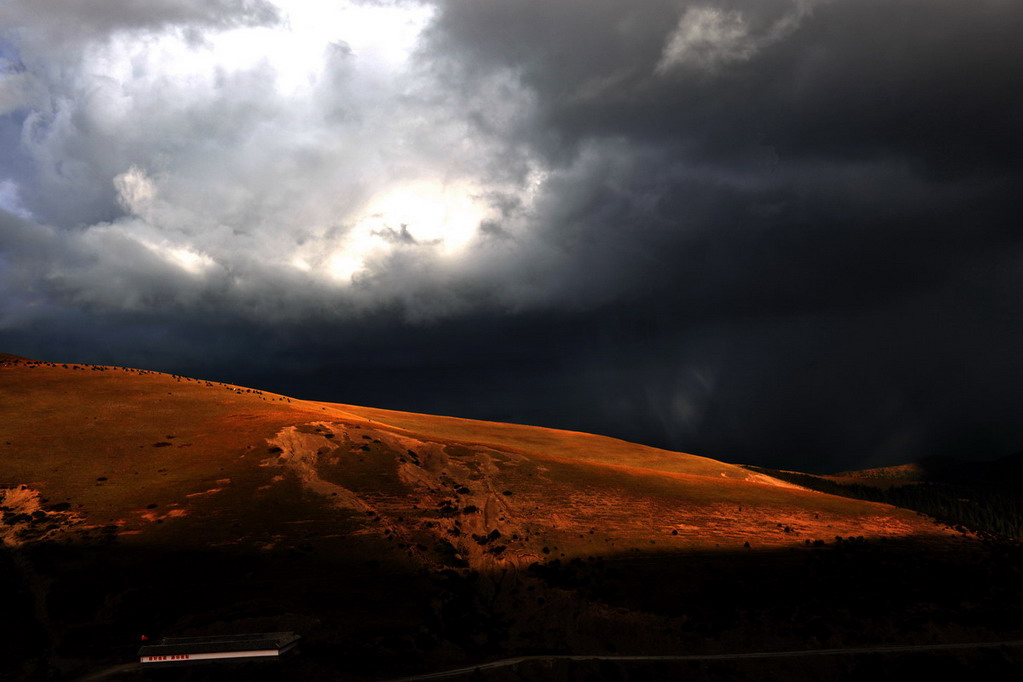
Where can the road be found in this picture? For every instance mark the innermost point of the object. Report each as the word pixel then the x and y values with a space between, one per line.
pixel 107 673
pixel 509 662
pixel 900 649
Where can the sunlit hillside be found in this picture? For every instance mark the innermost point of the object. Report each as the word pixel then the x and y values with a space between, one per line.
pixel 128 448
pixel 186 505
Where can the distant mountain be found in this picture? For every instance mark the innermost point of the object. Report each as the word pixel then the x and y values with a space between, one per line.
pixel 1005 472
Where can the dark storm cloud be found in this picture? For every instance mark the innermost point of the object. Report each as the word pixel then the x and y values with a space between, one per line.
pixel 803 204
pixel 935 81
pixel 836 152
pixel 781 231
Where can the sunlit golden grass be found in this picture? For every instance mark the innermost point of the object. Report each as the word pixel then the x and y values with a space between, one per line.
pixel 583 447
pixel 160 456
pixel 114 440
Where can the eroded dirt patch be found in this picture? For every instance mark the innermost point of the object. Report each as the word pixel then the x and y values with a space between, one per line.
pixel 441 502
pixel 300 452
pixel 25 517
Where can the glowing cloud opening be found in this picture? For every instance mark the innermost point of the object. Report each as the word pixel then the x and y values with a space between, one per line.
pixel 443 217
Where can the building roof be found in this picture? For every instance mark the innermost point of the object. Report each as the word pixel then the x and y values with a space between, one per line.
pixel 171 646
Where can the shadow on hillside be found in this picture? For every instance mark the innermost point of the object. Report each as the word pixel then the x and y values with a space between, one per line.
pixel 1004 474
pixel 846 592
pixel 72 610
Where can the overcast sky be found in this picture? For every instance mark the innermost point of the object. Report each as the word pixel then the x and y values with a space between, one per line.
pixel 770 231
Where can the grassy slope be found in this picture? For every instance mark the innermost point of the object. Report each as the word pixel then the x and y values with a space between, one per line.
pixel 113 442
pixel 582 447
pixel 329 535
pixel 65 429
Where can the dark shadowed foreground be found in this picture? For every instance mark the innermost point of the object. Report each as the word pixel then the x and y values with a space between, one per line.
pixel 397 544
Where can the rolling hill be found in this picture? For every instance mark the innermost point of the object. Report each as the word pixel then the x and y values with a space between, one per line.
pixel 135 502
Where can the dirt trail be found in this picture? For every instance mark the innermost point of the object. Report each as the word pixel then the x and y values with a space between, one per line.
pixel 304 453
pixel 479 520
pixel 464 506
pixel 301 452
